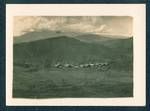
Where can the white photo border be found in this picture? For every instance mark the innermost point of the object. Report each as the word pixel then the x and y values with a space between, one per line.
pixel 137 11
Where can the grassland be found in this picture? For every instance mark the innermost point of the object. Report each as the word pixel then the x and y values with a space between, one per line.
pixel 40 80
pixel 71 83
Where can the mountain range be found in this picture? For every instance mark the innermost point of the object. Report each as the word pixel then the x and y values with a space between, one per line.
pixel 44 34
pixel 69 49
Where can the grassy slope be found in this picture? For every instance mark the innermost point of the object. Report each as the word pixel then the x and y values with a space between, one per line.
pixel 50 82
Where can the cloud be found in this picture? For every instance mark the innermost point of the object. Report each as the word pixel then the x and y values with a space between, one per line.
pixel 90 24
pixel 23 24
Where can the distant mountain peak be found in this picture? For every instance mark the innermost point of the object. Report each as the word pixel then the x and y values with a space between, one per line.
pixel 44 34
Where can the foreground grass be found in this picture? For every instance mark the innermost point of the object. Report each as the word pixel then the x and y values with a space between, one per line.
pixel 59 83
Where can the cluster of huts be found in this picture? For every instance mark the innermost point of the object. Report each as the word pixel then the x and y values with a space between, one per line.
pixel 89 65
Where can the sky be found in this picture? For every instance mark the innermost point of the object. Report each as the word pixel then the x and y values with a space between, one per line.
pixel 109 25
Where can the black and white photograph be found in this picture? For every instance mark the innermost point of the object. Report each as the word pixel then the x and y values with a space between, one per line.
pixel 75 56
pixel 72 56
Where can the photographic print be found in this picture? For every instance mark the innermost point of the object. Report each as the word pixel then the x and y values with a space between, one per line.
pixel 72 56
pixel 64 55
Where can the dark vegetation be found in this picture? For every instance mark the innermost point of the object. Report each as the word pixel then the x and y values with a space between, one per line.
pixel 35 76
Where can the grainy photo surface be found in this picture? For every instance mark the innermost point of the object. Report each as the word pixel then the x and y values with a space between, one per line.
pixel 72 56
